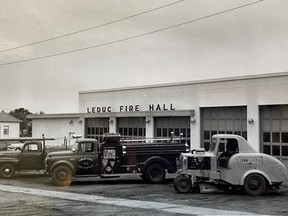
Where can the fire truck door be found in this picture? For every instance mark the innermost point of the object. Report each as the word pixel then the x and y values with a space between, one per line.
pixel 87 158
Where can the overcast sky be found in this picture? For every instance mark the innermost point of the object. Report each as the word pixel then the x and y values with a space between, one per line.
pixel 246 41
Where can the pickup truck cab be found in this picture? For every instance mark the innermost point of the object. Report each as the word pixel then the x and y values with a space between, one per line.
pixel 31 157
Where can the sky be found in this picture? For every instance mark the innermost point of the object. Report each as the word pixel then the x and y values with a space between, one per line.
pixel 177 41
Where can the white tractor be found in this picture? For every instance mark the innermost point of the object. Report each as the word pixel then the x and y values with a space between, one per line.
pixel 230 162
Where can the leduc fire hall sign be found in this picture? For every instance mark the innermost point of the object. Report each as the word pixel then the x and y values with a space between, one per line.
pixel 131 108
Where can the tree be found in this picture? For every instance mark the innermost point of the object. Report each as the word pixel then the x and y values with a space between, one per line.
pixel 25 125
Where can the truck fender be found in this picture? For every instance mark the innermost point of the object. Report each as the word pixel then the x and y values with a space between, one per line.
pixel 13 161
pixel 252 172
pixel 160 160
pixel 63 162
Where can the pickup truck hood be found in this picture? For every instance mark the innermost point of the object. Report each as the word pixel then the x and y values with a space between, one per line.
pixel 10 154
pixel 60 153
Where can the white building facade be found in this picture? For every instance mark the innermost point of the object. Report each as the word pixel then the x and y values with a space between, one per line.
pixel 255 107
pixel 9 126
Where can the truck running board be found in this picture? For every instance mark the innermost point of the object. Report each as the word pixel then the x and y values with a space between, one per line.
pixel 110 176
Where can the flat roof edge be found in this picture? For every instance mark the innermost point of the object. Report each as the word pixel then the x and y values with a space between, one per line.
pixel 111 114
pixel 246 77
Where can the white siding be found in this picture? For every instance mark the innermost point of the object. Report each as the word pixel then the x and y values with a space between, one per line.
pixel 14 130
pixel 58 129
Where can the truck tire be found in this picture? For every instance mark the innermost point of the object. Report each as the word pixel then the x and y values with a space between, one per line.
pixel 182 184
pixel 255 185
pixel 7 171
pixel 155 173
pixel 62 176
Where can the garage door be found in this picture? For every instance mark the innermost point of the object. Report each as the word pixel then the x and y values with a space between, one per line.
pixel 274 130
pixel 222 120
pixel 131 127
pixel 163 127
pixel 96 127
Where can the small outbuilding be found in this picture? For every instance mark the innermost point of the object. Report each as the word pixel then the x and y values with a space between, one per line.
pixel 9 126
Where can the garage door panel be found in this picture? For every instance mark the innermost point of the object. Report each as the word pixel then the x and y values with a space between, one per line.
pixel 274 130
pixel 266 125
pixel 237 125
pixel 163 126
pixel 276 125
pixel 222 125
pixel 284 125
pixel 230 124
pixel 214 124
pixel 130 127
pixel 229 120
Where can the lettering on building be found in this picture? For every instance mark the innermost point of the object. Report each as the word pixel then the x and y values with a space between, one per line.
pixel 131 108
pixel 160 107
pixel 99 109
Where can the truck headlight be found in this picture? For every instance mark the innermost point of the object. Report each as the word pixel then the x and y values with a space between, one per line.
pixel 184 163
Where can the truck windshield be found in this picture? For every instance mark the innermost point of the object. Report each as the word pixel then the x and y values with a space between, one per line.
pixel 212 145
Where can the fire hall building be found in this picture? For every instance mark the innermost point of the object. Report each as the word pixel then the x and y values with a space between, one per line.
pixel 255 107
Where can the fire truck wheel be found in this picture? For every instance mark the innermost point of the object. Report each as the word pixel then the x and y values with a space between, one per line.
pixel 7 171
pixel 62 176
pixel 182 184
pixel 155 173
pixel 255 185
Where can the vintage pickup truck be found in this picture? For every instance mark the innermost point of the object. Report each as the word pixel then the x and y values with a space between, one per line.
pixel 115 156
pixel 31 156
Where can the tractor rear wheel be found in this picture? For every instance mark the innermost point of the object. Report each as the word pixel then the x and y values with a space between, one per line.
pixel 255 185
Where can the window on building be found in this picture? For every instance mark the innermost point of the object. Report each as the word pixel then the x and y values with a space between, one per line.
pixel 6 130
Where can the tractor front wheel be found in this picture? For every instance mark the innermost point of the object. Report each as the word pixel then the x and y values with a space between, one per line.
pixel 182 184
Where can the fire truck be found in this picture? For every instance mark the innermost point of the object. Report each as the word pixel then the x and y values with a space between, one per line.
pixel 149 158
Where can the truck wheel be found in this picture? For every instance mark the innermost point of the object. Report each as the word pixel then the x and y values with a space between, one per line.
pixel 182 184
pixel 7 171
pixel 254 185
pixel 62 176
pixel 155 173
